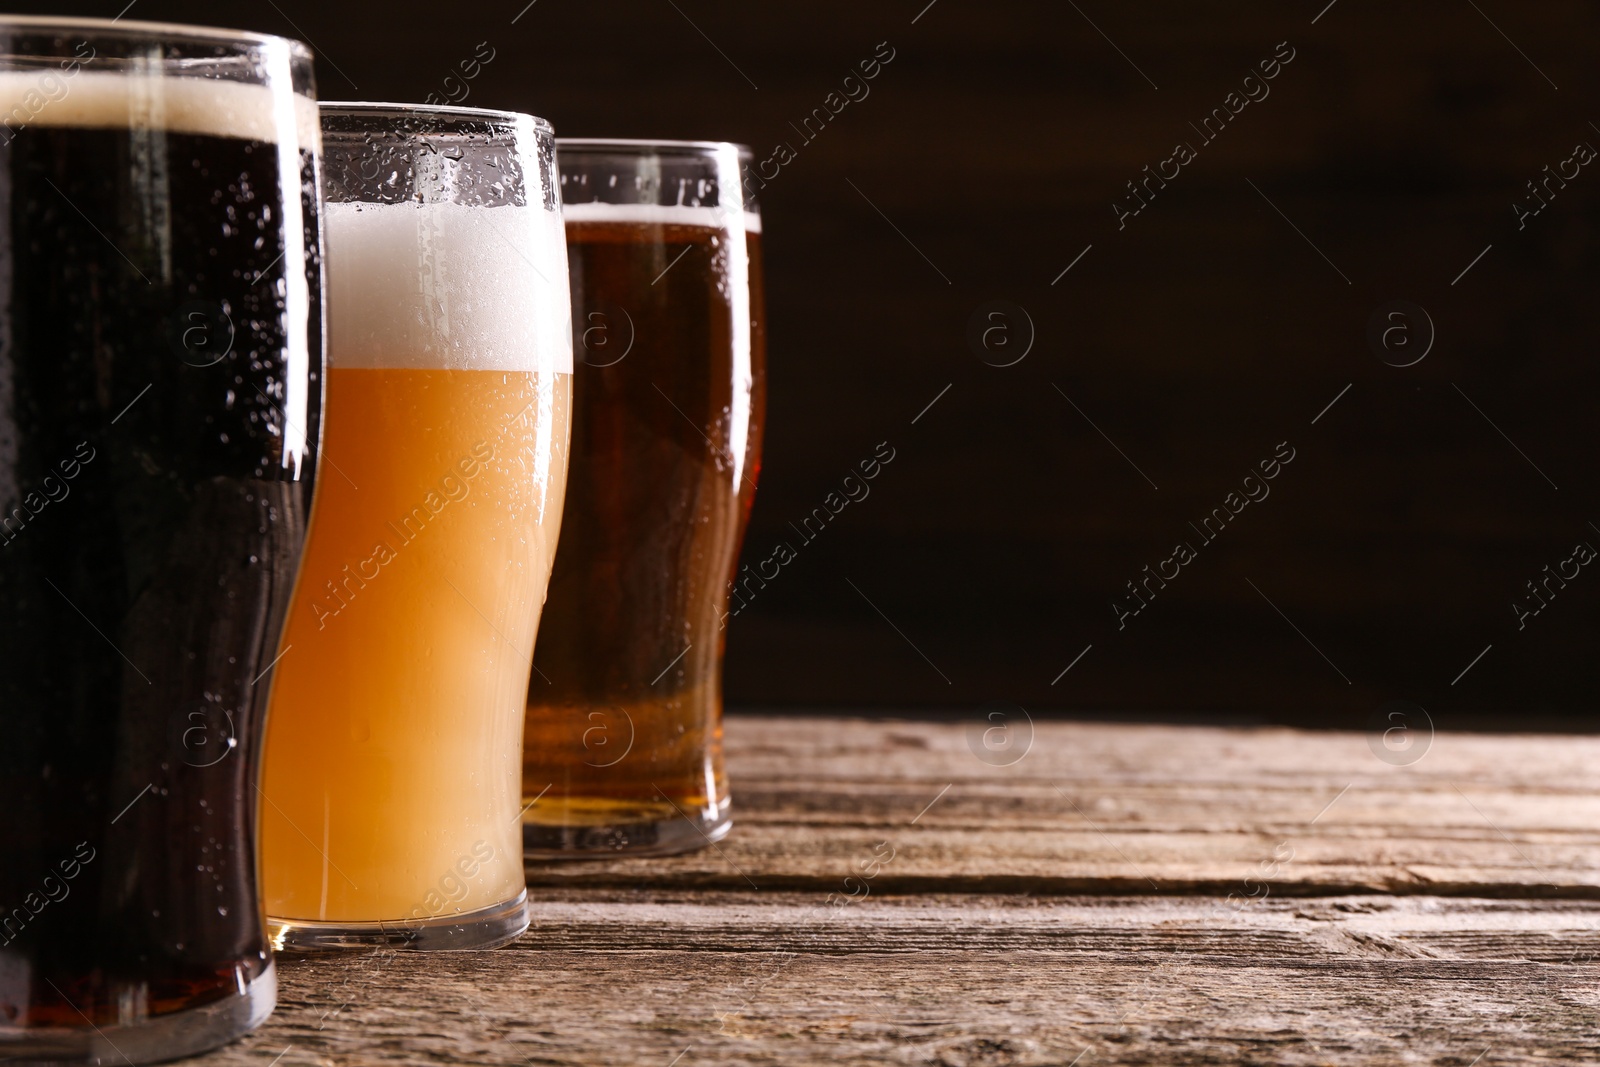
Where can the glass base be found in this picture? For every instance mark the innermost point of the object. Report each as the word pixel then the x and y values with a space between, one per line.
pixel 488 927
pixel 154 1039
pixel 580 828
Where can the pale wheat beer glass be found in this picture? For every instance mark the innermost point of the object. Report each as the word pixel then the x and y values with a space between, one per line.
pixel 393 766
pixel 624 735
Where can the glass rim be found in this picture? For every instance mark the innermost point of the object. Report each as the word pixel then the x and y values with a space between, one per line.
pixel 443 111
pixel 134 29
pixel 642 146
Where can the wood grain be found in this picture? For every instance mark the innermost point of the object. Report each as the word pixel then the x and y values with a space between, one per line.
pixel 1097 808
pixel 1087 904
pixel 639 978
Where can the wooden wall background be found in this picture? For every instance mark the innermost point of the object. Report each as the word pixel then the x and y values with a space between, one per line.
pixel 1196 339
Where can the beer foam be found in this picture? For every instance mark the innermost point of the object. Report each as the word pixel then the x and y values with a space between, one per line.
pixel 109 100
pixel 447 287
pixel 657 215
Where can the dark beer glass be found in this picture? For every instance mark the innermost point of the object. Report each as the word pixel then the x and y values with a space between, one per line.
pixel 160 361
pixel 623 740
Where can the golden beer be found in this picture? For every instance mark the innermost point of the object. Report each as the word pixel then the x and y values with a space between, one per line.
pixel 406 655
pixel 393 765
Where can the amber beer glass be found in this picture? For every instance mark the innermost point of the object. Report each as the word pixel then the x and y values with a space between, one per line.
pixel 393 776
pixel 160 389
pixel 623 743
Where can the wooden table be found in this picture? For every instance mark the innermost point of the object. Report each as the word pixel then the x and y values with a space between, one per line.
pixel 1120 894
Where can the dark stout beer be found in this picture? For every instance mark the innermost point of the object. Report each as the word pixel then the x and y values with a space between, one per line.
pixel 160 353
pixel 624 722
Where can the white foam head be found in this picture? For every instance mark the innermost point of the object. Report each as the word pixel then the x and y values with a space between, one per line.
pixel 145 100
pixel 438 286
pixel 661 215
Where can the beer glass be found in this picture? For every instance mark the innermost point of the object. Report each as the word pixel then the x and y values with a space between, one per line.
pixel 623 743
pixel 392 778
pixel 160 362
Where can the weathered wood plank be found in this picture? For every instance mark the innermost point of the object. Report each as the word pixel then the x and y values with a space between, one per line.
pixel 607 977
pixel 1135 809
pixel 888 749
pixel 1145 895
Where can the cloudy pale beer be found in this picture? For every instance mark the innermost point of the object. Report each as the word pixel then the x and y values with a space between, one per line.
pixel 392 776
pixel 623 746
pixel 160 354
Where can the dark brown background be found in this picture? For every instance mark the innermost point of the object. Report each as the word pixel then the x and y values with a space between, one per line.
pixel 1197 338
